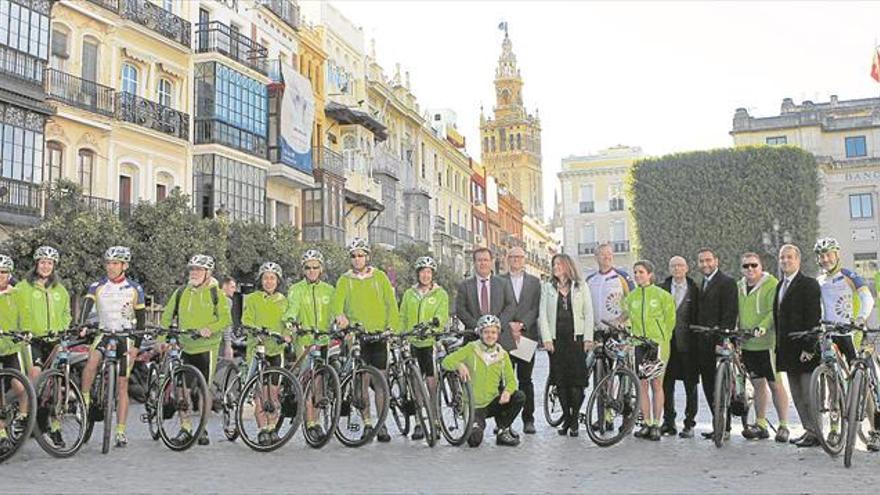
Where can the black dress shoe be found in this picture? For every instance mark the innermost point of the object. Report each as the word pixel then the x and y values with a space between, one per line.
pixel 707 434
pixel 573 432
pixel 529 427
pixel 668 429
pixel 563 430
pixel 686 432
pixel 808 441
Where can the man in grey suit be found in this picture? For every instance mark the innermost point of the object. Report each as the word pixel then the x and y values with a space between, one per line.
pixel 524 323
pixel 484 293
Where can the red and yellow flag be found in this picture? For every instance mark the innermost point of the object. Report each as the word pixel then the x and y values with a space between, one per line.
pixel 875 65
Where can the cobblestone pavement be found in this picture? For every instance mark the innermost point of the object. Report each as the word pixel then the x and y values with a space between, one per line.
pixel 544 463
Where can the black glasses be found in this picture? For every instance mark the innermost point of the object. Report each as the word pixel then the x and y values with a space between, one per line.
pixel 312 267
pixel 746 266
pixel 353 256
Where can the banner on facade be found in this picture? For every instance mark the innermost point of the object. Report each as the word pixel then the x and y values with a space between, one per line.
pixel 297 119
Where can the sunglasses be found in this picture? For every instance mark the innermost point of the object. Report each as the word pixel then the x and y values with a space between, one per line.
pixel 312 267
pixel 746 266
pixel 353 256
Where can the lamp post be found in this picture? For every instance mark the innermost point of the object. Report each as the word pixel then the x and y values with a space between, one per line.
pixel 772 241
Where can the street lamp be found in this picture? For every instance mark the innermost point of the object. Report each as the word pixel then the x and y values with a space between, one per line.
pixel 772 241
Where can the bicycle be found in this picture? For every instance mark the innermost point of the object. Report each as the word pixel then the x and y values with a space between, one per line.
pixel 863 394
pixel 175 389
pixel 617 394
pixel 733 392
pixel 104 388
pixel 15 387
pixel 59 400
pixel 321 389
pixel 270 395
pixel 409 394
pixel 454 401
pixel 364 392
pixel 828 387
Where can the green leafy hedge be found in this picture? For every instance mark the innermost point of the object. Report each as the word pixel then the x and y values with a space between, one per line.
pixel 724 199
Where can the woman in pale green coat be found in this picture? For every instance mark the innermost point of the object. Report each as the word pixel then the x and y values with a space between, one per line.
pixel 565 319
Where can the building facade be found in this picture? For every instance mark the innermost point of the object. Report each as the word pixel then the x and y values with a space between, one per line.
pixel 511 139
pixel 593 207
pixel 844 136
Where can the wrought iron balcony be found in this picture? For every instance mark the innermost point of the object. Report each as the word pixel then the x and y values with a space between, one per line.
pixel 383 235
pixel 19 197
pixel 620 246
pixel 152 17
pixel 80 93
pixel 326 159
pixel 616 204
pixel 152 115
pixel 286 10
pixel 587 207
pixel 21 65
pixel 585 248
pixel 210 131
pixel 217 37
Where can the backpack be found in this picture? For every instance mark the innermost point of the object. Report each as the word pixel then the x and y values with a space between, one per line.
pixel 215 298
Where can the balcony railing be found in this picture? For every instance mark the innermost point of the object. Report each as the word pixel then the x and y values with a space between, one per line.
pixel 149 114
pixel 585 248
pixel 97 205
pixel 215 131
pixel 329 160
pixel 20 197
pixel 79 92
pixel 217 37
pixel 439 223
pixel 153 17
pixel 616 204
pixel 620 246
pixel 383 235
pixel 587 207
pixel 21 65
pixel 385 162
pixel 286 10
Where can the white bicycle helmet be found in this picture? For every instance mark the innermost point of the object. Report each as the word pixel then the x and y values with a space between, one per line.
pixel 826 245
pixel 118 253
pixel 312 255
pixel 270 267
pixel 201 261
pixel 650 370
pixel 359 244
pixel 48 253
pixel 486 321
pixel 6 263
pixel 426 262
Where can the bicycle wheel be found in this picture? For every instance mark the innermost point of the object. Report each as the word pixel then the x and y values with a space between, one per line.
pixel 552 406
pixel 183 399
pixel 151 402
pixel 109 378
pixel 721 405
pixel 16 394
pixel 65 413
pixel 267 400
pixel 455 407
pixel 424 407
pixel 828 406
pixel 322 394
pixel 364 407
pixel 397 402
pixel 613 407
pixel 230 394
pixel 854 410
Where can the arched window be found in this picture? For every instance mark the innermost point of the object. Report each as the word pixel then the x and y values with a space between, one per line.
pixel 129 78
pixel 85 170
pixel 165 92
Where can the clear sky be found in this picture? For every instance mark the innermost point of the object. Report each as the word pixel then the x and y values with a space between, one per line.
pixel 666 76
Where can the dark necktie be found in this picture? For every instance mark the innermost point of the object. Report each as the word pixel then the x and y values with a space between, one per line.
pixel 484 298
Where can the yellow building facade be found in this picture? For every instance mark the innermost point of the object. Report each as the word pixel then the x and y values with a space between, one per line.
pixel 593 205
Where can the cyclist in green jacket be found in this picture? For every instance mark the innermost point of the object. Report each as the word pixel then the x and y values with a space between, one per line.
pixel 44 307
pixel 199 306
pixel 364 296
pixel 308 303
pixel 651 311
pixel 487 366
pixel 11 353
pixel 264 309
pixel 422 303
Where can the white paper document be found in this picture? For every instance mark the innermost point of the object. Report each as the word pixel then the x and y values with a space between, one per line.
pixel 525 349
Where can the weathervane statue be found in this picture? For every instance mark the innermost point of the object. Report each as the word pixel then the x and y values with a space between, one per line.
pixel 502 26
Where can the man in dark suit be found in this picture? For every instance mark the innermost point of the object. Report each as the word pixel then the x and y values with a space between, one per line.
pixel 527 296
pixel 682 363
pixel 717 306
pixel 797 308
pixel 484 293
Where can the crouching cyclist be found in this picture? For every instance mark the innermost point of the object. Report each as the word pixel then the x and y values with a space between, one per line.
pixel 119 303
pixel 199 306
pixel 487 366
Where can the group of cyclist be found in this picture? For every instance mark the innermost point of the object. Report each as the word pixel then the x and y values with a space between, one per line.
pixel 364 297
